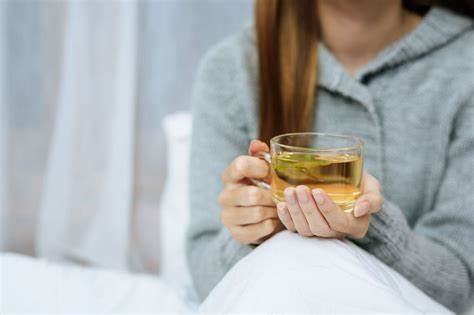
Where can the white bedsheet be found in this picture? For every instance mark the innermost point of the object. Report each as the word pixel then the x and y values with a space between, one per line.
pixel 38 286
pixel 292 274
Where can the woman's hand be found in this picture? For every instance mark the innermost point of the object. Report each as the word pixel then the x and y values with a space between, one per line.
pixel 313 213
pixel 248 211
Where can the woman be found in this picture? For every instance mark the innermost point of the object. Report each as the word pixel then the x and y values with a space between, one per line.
pixel 397 74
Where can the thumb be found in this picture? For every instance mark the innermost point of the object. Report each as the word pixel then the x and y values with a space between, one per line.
pixel 257 146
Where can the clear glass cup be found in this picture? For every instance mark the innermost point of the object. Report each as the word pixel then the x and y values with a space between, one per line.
pixel 331 162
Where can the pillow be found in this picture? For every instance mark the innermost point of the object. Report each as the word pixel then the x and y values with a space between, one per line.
pixel 174 213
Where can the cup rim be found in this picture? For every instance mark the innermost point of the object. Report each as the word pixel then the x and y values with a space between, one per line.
pixel 358 141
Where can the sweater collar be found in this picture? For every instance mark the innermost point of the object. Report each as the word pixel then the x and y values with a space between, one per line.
pixel 438 27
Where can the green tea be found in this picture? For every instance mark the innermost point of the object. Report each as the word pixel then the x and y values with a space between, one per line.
pixel 338 174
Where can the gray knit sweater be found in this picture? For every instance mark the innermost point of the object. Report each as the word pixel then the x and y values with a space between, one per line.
pixel 414 107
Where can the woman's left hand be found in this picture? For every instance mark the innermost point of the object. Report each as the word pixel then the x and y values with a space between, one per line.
pixel 313 213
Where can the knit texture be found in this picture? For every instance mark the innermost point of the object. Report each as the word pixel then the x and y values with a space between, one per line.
pixel 414 107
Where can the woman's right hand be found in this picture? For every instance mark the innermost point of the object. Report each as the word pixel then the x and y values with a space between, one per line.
pixel 248 211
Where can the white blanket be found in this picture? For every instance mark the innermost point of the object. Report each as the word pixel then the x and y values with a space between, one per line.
pixel 37 286
pixel 286 274
pixel 292 274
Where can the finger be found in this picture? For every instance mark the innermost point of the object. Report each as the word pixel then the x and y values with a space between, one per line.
pixel 245 167
pixel 296 213
pixel 245 196
pixel 369 184
pixel 337 219
pixel 257 146
pixel 371 199
pixel 254 233
pixel 359 226
pixel 279 227
pixel 316 221
pixel 247 215
pixel 368 203
pixel 285 216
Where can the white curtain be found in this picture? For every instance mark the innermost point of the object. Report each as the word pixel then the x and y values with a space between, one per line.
pixel 90 167
pixel 84 86
pixel 3 135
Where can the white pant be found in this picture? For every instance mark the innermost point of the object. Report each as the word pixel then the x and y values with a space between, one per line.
pixel 293 274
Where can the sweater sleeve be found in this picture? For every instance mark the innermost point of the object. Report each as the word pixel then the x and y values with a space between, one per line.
pixel 437 255
pixel 219 135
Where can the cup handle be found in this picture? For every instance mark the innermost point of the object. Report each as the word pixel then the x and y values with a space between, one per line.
pixel 267 158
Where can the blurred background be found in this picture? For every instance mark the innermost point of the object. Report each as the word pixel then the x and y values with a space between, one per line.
pixel 84 87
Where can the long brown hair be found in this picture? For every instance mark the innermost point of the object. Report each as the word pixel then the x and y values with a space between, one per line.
pixel 287 36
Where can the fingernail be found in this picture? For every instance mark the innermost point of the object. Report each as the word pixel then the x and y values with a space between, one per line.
pixel 318 196
pixel 302 195
pixel 361 209
pixel 289 195
pixel 281 208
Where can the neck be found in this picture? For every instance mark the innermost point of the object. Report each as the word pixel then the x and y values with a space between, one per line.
pixel 356 31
